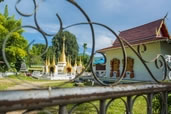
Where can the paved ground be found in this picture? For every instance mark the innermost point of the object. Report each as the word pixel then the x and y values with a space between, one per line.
pixel 28 85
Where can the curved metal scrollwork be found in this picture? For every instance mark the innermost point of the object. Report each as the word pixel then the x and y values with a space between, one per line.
pixel 159 60
pixel 136 97
pixel 113 100
pixel 162 62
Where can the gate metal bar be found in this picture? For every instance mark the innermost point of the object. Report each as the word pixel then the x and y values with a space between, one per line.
pixel 35 99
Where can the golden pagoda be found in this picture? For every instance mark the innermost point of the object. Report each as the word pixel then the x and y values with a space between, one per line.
pixel 63 56
pixel 53 61
pixel 80 63
pixel 47 62
pixel 62 69
pixel 75 65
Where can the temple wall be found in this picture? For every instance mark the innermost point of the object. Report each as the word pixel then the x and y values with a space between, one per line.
pixel 140 72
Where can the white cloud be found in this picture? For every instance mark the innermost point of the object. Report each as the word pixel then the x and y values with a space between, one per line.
pixel 51 28
pixel 103 38
pixel 103 42
pixel 88 53
pixel 30 31
pixel 48 28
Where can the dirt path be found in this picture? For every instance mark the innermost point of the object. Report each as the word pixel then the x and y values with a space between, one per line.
pixel 28 85
pixel 21 112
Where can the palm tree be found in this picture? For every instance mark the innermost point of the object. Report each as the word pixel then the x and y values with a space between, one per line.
pixel 85 48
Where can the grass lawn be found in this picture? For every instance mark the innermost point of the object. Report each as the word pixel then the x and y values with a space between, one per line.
pixel 116 107
pixel 4 83
pixel 59 84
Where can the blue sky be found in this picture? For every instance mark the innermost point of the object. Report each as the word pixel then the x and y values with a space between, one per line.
pixel 117 14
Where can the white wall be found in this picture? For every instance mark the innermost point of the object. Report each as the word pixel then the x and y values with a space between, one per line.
pixel 139 70
pixel 165 48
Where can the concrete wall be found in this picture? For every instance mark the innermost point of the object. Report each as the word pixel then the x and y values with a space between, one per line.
pixel 139 70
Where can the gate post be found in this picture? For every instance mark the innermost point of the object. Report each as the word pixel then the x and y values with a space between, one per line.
pixel 102 106
pixel 62 109
pixel 129 105
pixel 164 103
pixel 149 103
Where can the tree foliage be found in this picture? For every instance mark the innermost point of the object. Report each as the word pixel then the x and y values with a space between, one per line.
pixel 34 57
pixel 84 48
pixel 36 51
pixel 6 11
pixel 16 45
pixel 71 44
pixel 157 106
pixel 1 1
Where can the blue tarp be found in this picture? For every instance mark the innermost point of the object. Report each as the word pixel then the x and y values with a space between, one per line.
pixel 98 60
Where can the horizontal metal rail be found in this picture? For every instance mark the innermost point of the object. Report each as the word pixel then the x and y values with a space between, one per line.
pixel 32 99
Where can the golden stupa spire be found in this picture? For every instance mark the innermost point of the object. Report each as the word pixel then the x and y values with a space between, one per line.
pixel 75 65
pixel 80 64
pixel 53 60
pixel 63 56
pixel 67 64
pixel 48 61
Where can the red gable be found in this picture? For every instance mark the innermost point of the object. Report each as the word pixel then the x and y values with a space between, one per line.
pixel 152 31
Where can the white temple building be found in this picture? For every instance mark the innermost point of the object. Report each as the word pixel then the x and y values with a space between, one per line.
pixel 63 70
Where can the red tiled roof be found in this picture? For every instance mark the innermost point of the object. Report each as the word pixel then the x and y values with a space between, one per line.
pixel 144 33
pixel 134 43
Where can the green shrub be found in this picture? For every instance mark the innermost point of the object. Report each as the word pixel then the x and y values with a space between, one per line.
pixel 157 100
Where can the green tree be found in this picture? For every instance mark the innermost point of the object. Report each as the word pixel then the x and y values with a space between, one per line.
pixel 36 51
pixel 50 52
pixel 16 45
pixel 157 106
pixel 84 58
pixel 34 57
pixel 35 60
pixel 1 1
pixel 70 43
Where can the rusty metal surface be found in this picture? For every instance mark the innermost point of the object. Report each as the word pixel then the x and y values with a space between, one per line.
pixel 14 100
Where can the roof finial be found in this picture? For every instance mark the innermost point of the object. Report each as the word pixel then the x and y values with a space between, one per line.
pixel 80 64
pixel 165 17
pixel 75 65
